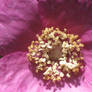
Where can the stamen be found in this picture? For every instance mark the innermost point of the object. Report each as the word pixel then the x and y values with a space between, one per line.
pixel 57 54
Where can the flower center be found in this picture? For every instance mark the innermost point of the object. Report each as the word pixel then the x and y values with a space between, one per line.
pixel 56 54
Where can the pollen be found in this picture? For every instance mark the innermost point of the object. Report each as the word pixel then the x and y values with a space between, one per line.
pixel 56 54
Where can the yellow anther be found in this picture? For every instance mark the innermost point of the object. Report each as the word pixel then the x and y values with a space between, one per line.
pixel 76 36
pixel 81 45
pixel 68 75
pixel 79 40
pixel 56 54
pixel 65 29
pixel 81 58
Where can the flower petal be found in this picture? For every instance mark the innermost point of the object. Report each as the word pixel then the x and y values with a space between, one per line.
pixel 88 57
pixel 63 12
pixel 88 2
pixel 88 76
pixel 87 38
pixel 81 88
pixel 15 76
pixel 17 24
pixel 88 68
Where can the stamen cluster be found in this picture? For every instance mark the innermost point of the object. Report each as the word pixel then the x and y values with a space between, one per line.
pixel 56 54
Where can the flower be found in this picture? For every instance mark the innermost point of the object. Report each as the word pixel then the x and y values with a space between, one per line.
pixel 20 21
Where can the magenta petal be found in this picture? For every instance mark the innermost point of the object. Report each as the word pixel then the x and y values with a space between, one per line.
pixel 15 75
pixel 17 24
pixel 81 88
pixel 88 66
pixel 63 12
pixel 88 76
pixel 88 2
pixel 87 36
pixel 88 57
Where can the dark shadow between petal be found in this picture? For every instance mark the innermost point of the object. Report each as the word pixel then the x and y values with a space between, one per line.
pixel 88 45
pixel 0 56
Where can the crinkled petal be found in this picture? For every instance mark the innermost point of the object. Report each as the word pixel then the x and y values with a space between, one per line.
pixel 20 20
pixel 77 29
pixel 64 13
pixel 17 24
pixel 87 54
pixel 16 76
pixel 88 66
pixel 81 88
pixel 88 2
pixel 87 38
pixel 88 76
